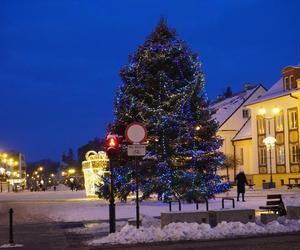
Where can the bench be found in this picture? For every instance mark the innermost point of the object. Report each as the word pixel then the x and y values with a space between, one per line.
pixel 230 199
pixel 290 186
pixel 274 204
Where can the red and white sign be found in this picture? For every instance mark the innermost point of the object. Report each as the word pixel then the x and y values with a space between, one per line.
pixel 136 133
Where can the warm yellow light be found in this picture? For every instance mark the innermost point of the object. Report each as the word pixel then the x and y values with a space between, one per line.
pixel 71 171
pixel 27 175
pixel 63 173
pixel 18 175
pixel 262 111
pixel 38 176
pixel 5 155
pixel 15 173
pixel 270 142
pixel 5 160
pixel 276 110
pixel 52 175
pixel 16 163
pixel 49 181
pixel 35 172
pixel 41 168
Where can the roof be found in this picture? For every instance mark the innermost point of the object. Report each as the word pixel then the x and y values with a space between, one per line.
pixel 225 108
pixel 275 91
pixel 245 132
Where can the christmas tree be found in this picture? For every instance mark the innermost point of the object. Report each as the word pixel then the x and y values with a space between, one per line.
pixel 163 88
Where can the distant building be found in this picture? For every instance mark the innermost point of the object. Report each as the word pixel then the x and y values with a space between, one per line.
pixel 246 119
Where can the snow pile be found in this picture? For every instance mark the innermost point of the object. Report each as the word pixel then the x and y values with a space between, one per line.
pixel 194 231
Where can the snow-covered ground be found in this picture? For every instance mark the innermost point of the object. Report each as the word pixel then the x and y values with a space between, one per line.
pixel 68 206
pixel 71 206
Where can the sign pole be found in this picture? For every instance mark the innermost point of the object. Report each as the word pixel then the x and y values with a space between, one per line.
pixel 137 193
pixel 112 209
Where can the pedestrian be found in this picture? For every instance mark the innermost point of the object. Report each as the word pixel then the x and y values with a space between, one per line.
pixel 241 180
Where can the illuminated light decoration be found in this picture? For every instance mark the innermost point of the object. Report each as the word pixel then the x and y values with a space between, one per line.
pixel 94 167
pixel 269 142
pixel 71 171
pixel 276 110
pixel 262 111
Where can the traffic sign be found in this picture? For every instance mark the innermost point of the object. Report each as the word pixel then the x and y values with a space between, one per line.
pixel 136 150
pixel 136 132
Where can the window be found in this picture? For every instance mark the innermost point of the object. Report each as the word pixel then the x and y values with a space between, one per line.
pixel 262 155
pixel 261 125
pixel 293 82
pixel 245 113
pixel 242 156
pixel 280 157
pixel 294 153
pixel 279 122
pixel 286 83
pixel 293 124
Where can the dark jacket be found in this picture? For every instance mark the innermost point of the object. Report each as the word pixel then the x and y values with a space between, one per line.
pixel 241 180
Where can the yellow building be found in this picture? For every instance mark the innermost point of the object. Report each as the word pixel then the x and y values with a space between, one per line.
pixel 272 114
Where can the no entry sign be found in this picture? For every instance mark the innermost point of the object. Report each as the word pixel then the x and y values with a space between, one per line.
pixel 136 133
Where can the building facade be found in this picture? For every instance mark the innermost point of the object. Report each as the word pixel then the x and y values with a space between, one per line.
pixel 271 114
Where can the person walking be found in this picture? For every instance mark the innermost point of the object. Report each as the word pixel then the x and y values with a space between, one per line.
pixel 241 180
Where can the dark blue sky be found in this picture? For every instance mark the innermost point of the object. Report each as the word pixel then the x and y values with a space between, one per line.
pixel 59 60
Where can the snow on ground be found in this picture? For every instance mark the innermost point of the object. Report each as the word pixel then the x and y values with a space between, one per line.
pixel 68 206
pixel 194 231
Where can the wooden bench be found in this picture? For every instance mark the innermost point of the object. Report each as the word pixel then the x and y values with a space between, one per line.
pixel 274 204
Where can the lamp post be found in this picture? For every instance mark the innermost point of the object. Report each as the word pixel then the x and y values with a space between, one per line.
pixel 2 172
pixel 269 141
pixel 270 144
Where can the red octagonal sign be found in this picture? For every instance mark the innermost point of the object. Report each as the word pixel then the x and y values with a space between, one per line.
pixel 136 132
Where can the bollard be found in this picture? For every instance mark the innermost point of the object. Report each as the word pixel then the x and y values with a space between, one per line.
pixel 11 236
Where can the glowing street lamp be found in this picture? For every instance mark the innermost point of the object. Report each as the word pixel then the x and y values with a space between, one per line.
pixel 71 171
pixel 270 142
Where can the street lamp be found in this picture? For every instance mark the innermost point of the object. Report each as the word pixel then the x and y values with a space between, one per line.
pixel 269 141
pixel 270 144
pixel 2 171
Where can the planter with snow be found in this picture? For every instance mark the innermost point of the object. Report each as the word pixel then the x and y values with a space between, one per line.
pixel 230 215
pixel 293 212
pixel 189 217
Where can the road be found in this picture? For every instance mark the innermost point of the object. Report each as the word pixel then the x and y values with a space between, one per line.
pixel 55 236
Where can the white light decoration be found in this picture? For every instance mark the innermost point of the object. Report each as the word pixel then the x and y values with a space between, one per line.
pixel 269 142
pixel 93 168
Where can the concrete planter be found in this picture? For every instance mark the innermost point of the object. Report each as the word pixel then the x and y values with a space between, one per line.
pixel 189 217
pixel 293 212
pixel 266 218
pixel 241 215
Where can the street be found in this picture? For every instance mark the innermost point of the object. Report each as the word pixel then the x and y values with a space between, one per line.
pixel 56 236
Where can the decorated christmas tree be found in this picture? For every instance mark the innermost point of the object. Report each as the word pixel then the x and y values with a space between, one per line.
pixel 163 88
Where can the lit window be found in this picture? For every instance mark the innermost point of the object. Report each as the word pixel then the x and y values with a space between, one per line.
pixel 279 122
pixel 293 124
pixel 262 155
pixel 260 125
pixel 280 157
pixel 294 153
